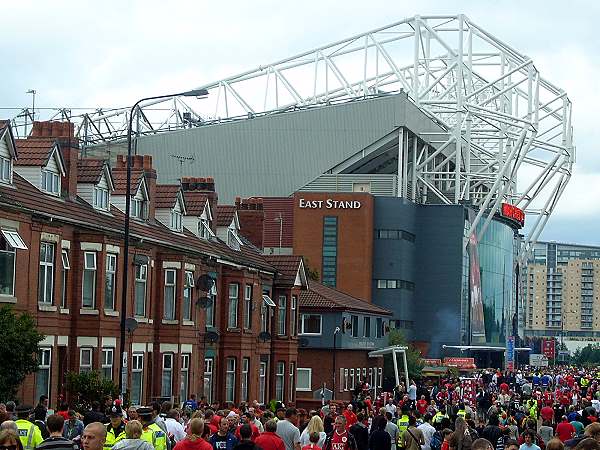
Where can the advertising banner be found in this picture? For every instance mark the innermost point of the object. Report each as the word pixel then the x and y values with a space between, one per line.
pixel 548 348
pixel 538 360
pixel 460 363
pixel 477 319
pixel 510 353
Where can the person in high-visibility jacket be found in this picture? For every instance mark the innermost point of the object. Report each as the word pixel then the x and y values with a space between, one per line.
pixel 29 434
pixel 462 412
pixel 151 432
pixel 440 415
pixel 402 425
pixel 115 430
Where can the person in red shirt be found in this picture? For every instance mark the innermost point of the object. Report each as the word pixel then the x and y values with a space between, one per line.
pixel 193 440
pixel 269 440
pixel 547 413
pixel 564 430
pixel 422 405
pixel 247 419
pixel 350 416
pixel 314 440
pixel 339 438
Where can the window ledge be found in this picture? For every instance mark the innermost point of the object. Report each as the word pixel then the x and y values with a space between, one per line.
pixel 7 299
pixel 111 312
pixel 64 310
pixel 89 312
pixel 188 323
pixel 170 322
pixel 141 319
pixel 234 330
pixel 47 308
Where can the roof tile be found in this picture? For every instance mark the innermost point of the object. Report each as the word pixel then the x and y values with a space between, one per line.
pixel 225 215
pixel 90 170
pixel 166 195
pixel 319 296
pixel 34 152
pixel 286 265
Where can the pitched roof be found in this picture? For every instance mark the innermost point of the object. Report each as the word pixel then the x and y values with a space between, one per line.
pixel 225 214
pixel 287 266
pixel 34 152
pixel 90 170
pixel 166 195
pixel 120 180
pixel 4 126
pixel 319 296
pixel 24 195
pixel 195 202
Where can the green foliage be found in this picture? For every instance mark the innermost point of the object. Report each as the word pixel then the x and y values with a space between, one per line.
pixel 19 339
pixel 88 387
pixel 312 274
pixel 587 356
pixel 413 357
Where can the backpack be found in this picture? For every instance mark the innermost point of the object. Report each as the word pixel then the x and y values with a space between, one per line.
pixel 436 441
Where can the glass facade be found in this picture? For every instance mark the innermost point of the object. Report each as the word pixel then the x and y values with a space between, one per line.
pixel 496 267
pixel 330 232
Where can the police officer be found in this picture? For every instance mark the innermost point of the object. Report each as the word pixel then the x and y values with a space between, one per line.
pixel 115 430
pixel 29 434
pixel 151 432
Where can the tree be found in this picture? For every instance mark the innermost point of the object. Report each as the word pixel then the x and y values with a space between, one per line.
pixel 89 387
pixel 588 355
pixel 19 339
pixel 413 357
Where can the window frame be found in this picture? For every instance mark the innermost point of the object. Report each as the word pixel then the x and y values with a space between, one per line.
pixel 105 363
pixel 379 328
pixel 302 331
pixel 65 267
pixel 354 329
pixel 233 306
pixel 176 220
pixel 309 371
pixel 280 379
pixel 140 278
pixel 54 182
pixel 170 286
pixel 209 363
pixel 247 306
pixel 137 367
pixel 166 386
pixel 46 268
pixel 294 316
pixel 230 378
pixel 86 367
pixel 110 274
pixel 244 381
pixel 44 367
pixel 101 198
pixel 87 269
pixel 5 165
pixel 184 392
pixel 281 315
pixel 366 326
pixel 292 378
pixel 188 295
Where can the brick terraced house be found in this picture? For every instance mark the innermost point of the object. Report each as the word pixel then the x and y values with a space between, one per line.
pixel 215 317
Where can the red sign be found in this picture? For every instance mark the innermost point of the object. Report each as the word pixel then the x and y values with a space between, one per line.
pixel 548 348
pixel 460 363
pixel 432 362
pixel 513 213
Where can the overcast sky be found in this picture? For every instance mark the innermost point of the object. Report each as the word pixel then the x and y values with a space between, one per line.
pixel 110 53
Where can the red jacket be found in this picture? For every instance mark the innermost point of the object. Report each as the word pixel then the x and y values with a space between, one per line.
pixel 269 441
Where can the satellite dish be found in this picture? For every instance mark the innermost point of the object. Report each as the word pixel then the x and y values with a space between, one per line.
pixel 131 324
pixel 204 282
pixel 303 342
pixel 203 302
pixel 264 336
pixel 212 337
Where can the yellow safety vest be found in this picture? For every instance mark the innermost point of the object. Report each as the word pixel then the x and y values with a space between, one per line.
pixel 29 434
pixel 402 427
pixel 461 413
pixel 112 438
pixel 155 436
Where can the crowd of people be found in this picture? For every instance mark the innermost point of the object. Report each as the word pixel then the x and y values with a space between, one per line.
pixel 556 409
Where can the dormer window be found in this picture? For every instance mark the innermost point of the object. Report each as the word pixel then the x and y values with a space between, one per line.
pixel 5 170
pixel 176 220
pixel 138 208
pixel 204 230
pixel 233 241
pixel 50 182
pixel 101 198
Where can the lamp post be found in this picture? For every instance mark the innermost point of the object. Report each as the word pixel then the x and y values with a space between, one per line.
pixel 337 330
pixel 192 93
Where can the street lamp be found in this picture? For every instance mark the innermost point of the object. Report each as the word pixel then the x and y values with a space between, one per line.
pixel 192 93
pixel 337 330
